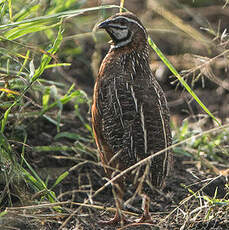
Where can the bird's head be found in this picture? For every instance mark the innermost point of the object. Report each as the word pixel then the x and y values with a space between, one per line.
pixel 124 28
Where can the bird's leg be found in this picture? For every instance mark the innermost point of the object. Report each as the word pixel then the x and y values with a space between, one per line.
pixel 115 220
pixel 145 206
pixel 118 217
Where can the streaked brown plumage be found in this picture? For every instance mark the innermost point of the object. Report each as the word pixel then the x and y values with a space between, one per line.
pixel 130 117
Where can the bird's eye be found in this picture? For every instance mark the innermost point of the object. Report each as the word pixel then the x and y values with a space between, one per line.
pixel 122 22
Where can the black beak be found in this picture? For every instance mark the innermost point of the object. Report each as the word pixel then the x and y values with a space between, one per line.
pixel 103 25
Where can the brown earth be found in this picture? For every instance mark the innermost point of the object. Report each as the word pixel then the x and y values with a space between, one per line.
pixel 172 208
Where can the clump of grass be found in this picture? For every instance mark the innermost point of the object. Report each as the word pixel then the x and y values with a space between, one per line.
pixel 26 93
pixel 204 146
pixel 31 42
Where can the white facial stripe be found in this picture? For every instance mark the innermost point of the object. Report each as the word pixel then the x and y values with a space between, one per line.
pixel 122 43
pixel 133 21
pixel 118 26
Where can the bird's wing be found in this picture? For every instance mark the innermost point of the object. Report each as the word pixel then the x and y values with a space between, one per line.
pixel 154 121
pixel 133 123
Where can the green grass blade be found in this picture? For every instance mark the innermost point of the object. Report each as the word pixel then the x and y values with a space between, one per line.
pixel 47 58
pixel 122 5
pixel 26 12
pixel 27 28
pixel 38 182
pixel 5 148
pixel 59 15
pixel 182 81
pixel 4 120
pixel 10 10
pixel 72 136
pixel 59 179
pixel 3 213
pixel 57 65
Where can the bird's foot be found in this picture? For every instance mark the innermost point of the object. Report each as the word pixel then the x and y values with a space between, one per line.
pixel 115 220
pixel 145 218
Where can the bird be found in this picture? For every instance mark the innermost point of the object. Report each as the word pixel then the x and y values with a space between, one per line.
pixel 130 115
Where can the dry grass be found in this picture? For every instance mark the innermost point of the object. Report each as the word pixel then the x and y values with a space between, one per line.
pixel 51 176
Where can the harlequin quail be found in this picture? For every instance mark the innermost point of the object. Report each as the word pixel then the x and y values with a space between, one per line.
pixel 130 117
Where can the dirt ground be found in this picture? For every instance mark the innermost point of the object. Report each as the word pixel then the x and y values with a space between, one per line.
pixel 170 208
pixel 173 208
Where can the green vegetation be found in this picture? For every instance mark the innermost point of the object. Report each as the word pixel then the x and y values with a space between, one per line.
pixel 46 142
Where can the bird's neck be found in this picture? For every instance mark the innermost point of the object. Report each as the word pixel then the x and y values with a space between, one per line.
pixel 128 59
pixel 130 53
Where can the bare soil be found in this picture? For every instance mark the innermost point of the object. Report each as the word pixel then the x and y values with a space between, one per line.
pixel 173 208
